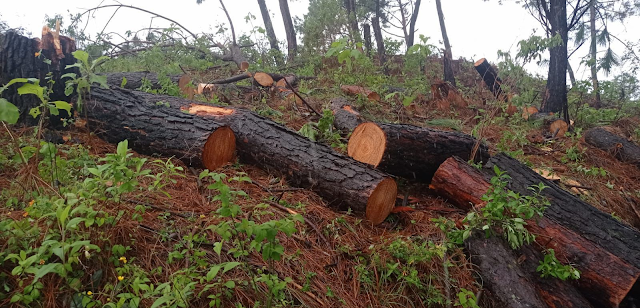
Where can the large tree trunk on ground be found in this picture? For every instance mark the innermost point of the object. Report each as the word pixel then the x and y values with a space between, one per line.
pixel 555 99
pixel 18 59
pixel 491 79
pixel 606 278
pixel 409 151
pixel 346 118
pixel 271 35
pixel 501 274
pixel 341 181
pixel 292 43
pixel 605 139
pixel 447 57
pixel 134 80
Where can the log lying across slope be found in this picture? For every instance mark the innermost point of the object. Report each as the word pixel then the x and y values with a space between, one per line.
pixel 179 129
pixel 410 151
pixel 624 150
pixel 603 249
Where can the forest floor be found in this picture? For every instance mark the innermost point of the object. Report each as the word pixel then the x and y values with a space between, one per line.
pixel 334 259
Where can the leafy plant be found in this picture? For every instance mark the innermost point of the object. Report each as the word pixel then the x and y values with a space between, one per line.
pixel 82 84
pixel 551 267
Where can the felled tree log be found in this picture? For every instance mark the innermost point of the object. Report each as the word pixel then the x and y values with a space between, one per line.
pixel 23 57
pixel 153 128
pixel 607 279
pixel 346 118
pixel 409 151
pixel 491 79
pixel 134 80
pixel 498 266
pixel 605 139
pixel 341 181
pixel 358 90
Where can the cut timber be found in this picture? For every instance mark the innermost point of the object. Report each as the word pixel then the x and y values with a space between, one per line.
pixel 179 130
pixel 23 57
pixel 357 90
pixel 341 181
pixel 606 278
pixel 119 114
pixel 528 111
pixel 346 118
pixel 558 128
pixel 263 79
pixel 500 272
pixel 605 139
pixel 186 87
pixel 491 79
pixel 409 151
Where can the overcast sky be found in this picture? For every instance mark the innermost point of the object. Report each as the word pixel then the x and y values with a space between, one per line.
pixel 476 28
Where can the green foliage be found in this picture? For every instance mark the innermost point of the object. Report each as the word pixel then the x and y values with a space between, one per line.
pixel 345 53
pixel 10 113
pixel 467 299
pixel 551 267
pixel 323 130
pixel 533 47
pixel 82 84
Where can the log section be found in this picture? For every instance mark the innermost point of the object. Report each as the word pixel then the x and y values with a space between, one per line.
pixel 491 79
pixel 346 118
pixel 409 151
pixel 605 139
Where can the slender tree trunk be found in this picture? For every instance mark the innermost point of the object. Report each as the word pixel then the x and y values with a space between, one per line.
pixel 404 23
pixel 412 23
pixel 350 6
pixel 572 76
pixel 377 32
pixel 367 39
pixel 593 51
pixel 273 41
pixel 292 44
pixel 555 99
pixel 448 70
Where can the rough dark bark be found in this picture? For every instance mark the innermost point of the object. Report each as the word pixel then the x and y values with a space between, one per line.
pixel 593 51
pixel 409 151
pixel 573 213
pixel 624 150
pixel 498 266
pixel 346 118
pixel 606 279
pixel 555 99
pixel 341 181
pixel 18 60
pixel 412 23
pixel 271 35
pixel 491 79
pixel 447 57
pixel 367 39
pixel 377 33
pixel 153 128
pixel 134 80
pixel 292 44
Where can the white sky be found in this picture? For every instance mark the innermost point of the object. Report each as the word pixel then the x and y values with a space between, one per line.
pixel 476 28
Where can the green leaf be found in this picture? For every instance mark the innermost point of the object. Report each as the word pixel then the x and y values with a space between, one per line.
pixel 69 75
pixel 230 284
pixel 229 266
pixel 122 148
pixel 35 112
pixel 213 272
pixel 29 88
pixel 46 269
pixel 124 82
pixel 81 55
pixel 160 301
pixel 63 106
pixel 8 112
pixel 99 79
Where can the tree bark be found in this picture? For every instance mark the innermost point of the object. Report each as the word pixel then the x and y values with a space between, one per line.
pixel 377 32
pixel 605 139
pixel 154 123
pixel 412 23
pixel 350 7
pixel 447 57
pixel 593 52
pixel 23 57
pixel 271 35
pixel 292 44
pixel 134 80
pixel 606 278
pixel 409 151
pixel 367 39
pixel 491 79
pixel 346 118
pixel 555 99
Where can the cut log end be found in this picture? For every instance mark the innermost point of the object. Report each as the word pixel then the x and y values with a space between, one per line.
pixel 367 144
pixel 243 66
pixel 558 128
pixel 219 148
pixel 263 79
pixel 381 201
pixel 207 110
pixel 528 112
pixel 479 62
